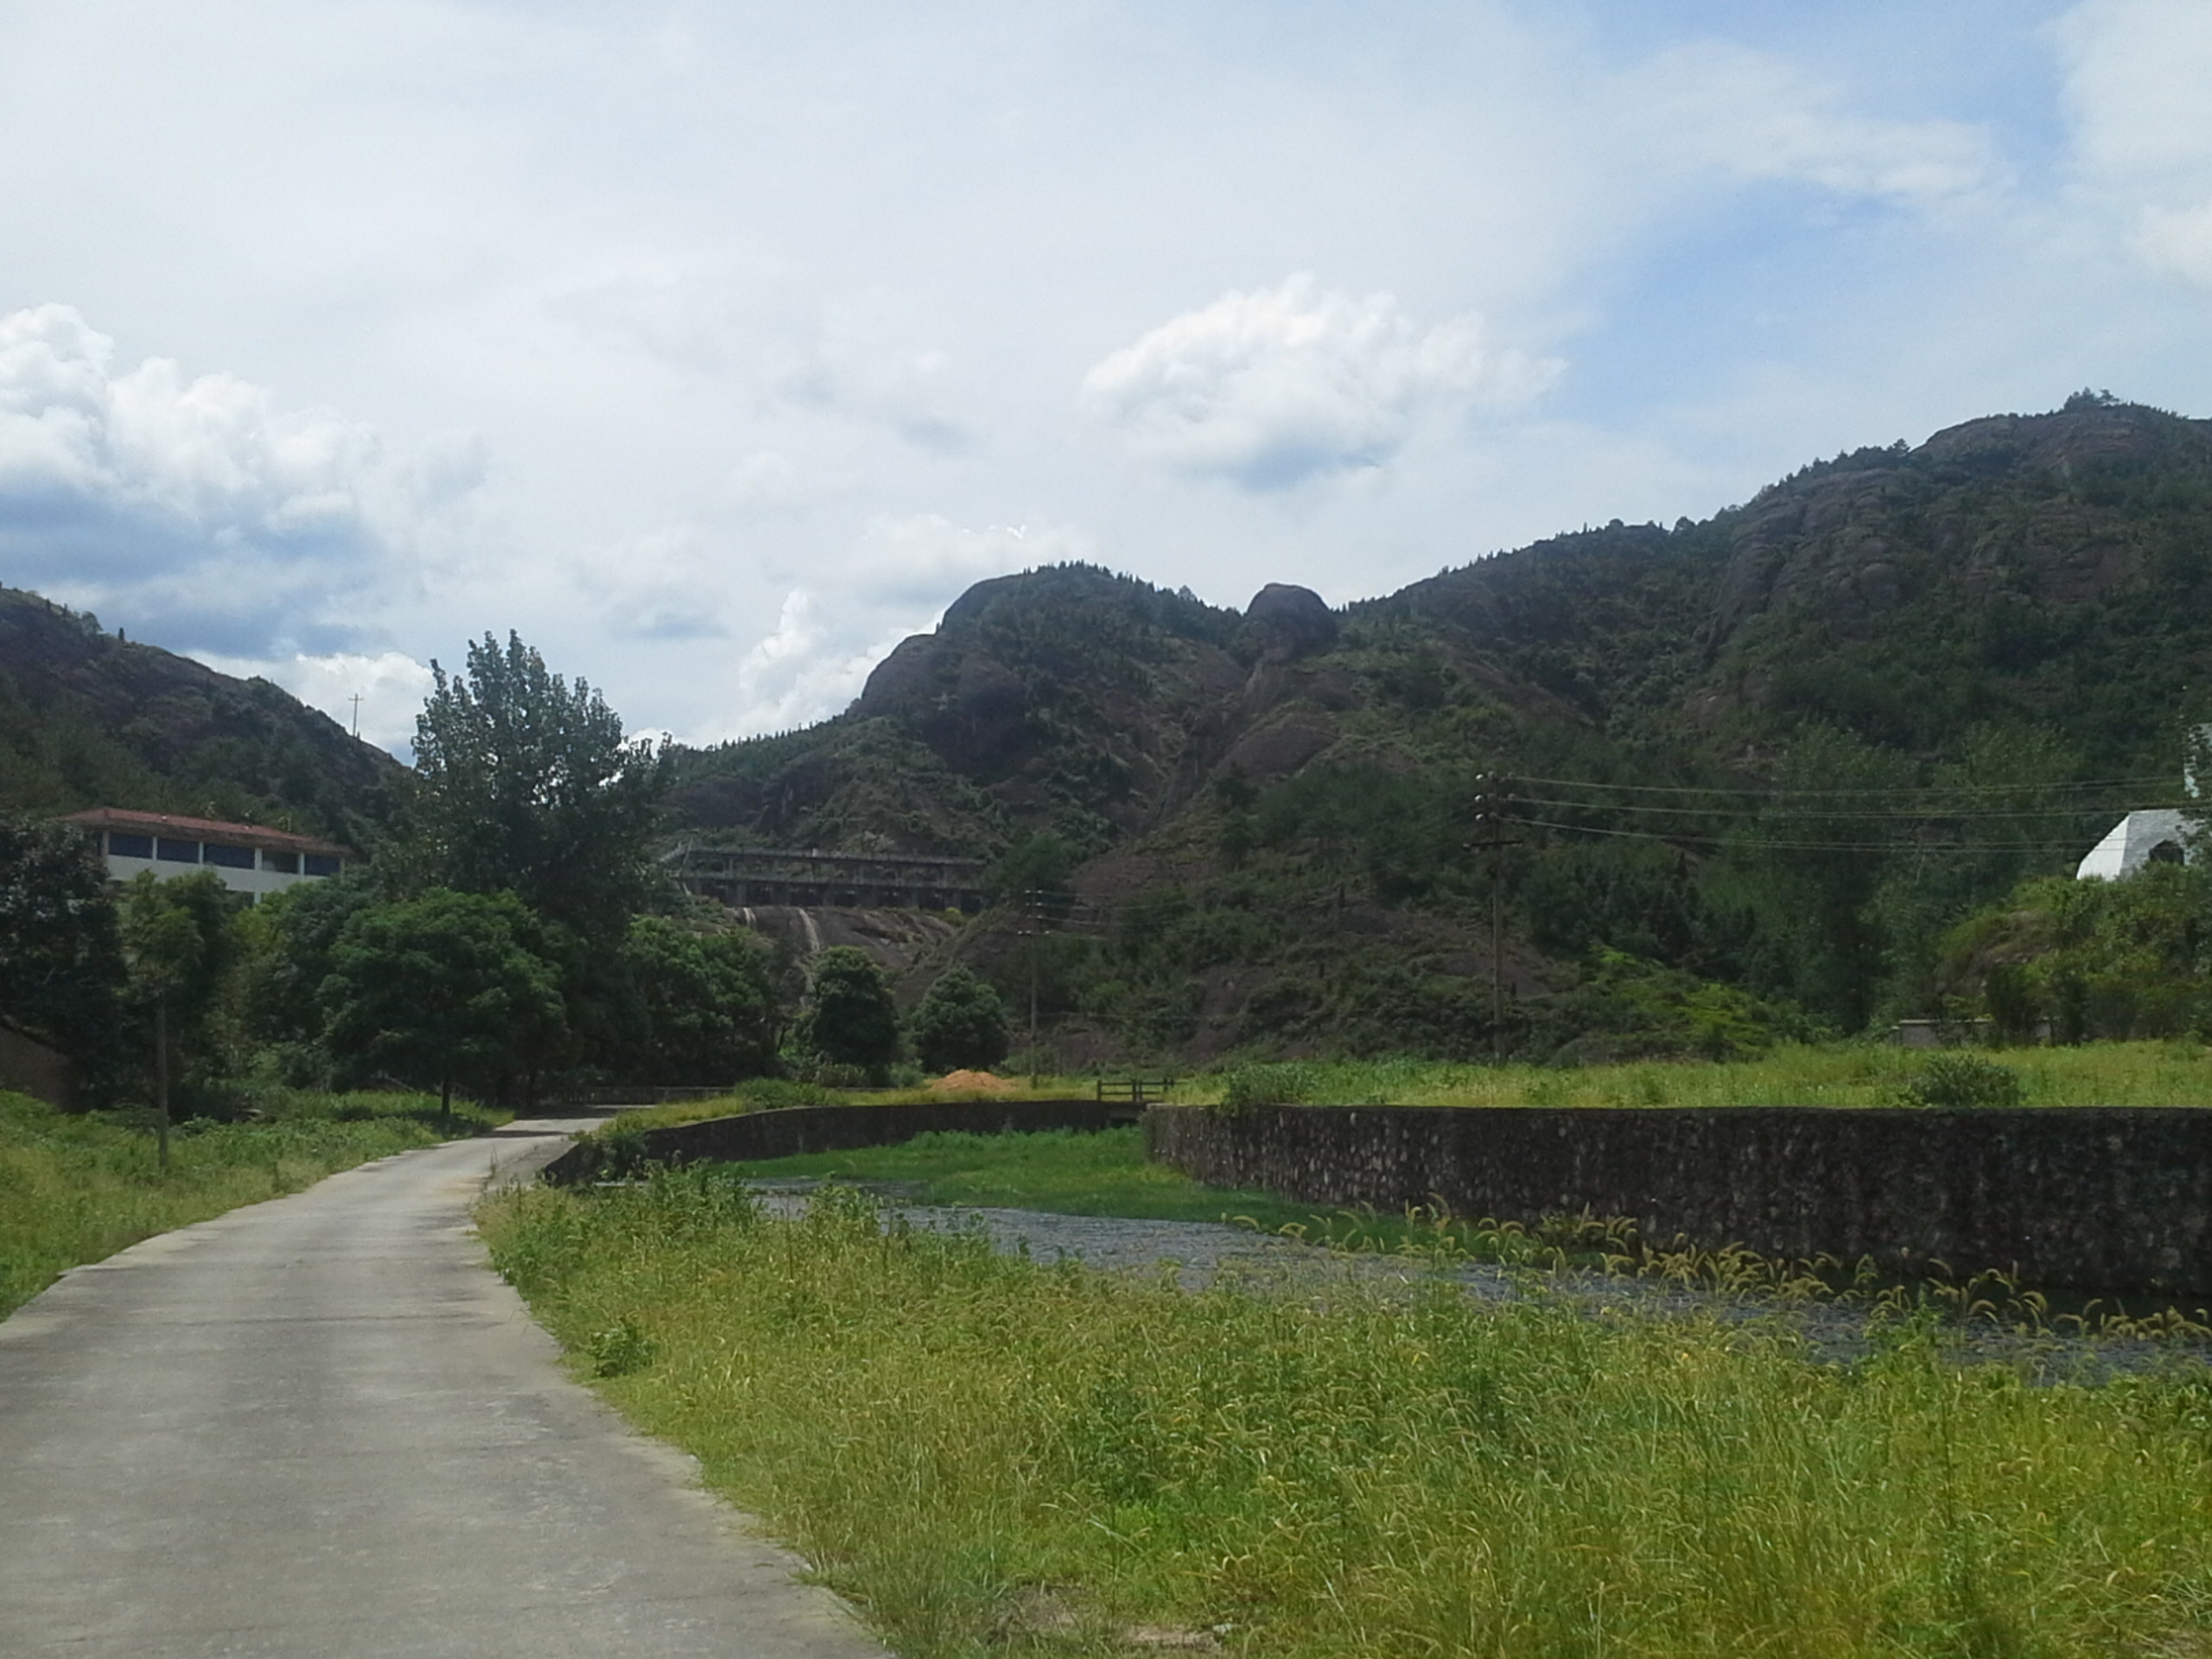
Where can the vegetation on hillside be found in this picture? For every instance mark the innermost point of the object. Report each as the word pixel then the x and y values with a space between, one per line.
pixel 1637 791
pixel 90 719
pixel 1783 752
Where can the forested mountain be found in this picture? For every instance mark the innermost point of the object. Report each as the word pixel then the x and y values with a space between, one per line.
pixel 87 718
pixel 1708 782
pixel 1773 755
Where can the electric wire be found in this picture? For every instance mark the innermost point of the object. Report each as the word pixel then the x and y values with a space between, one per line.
pixel 2163 781
pixel 1763 844
pixel 2076 808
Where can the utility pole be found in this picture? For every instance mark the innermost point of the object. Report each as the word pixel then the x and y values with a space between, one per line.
pixel 161 1075
pixel 1490 815
pixel 357 714
pixel 1032 928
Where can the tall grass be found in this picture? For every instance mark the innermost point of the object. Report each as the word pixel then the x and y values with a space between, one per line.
pixel 1824 1074
pixel 991 1455
pixel 1813 1074
pixel 78 1188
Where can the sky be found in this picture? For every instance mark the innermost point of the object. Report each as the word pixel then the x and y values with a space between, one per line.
pixel 714 348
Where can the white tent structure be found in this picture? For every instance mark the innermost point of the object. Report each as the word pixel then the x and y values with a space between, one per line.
pixel 2159 835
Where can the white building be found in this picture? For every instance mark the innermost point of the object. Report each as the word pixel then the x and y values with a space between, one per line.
pixel 2157 836
pixel 249 858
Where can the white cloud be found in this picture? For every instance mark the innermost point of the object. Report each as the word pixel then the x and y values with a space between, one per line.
pixel 2177 241
pixel 768 481
pixel 198 501
pixel 757 329
pixel 1717 108
pixel 2136 75
pixel 391 687
pixel 1274 386
pixel 664 584
pixel 895 580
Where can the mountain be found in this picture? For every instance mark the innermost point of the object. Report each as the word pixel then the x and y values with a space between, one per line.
pixel 1778 752
pixel 88 718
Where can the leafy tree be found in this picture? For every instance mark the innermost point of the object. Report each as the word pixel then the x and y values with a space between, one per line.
pixel 445 989
pixel 290 941
pixel 528 787
pixel 707 1014
pixel 2094 959
pixel 180 948
pixel 960 1023
pixel 60 959
pixel 850 1018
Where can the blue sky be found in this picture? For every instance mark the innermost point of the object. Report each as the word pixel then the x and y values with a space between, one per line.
pixel 714 348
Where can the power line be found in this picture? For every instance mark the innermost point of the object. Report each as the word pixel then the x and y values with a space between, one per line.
pixel 1748 842
pixel 1843 813
pixel 2162 780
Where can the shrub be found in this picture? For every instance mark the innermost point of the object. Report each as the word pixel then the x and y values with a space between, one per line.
pixel 1288 1084
pixel 1957 1080
pixel 767 1093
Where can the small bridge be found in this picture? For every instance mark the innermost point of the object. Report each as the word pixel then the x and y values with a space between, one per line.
pixel 739 876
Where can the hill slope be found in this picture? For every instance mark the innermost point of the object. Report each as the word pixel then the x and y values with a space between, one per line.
pixel 88 718
pixel 1971 634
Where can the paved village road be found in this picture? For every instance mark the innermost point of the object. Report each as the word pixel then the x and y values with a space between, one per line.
pixel 322 1426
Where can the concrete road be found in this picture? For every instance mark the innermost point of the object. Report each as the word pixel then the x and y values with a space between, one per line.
pixel 321 1427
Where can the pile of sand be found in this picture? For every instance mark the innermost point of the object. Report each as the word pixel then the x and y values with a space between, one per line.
pixel 973 1082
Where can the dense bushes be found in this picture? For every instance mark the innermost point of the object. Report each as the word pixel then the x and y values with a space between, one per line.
pixel 2080 959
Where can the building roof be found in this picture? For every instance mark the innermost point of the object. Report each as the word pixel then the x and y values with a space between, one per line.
pixel 2133 842
pixel 165 823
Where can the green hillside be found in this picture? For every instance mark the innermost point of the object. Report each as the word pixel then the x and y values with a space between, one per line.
pixel 89 719
pixel 1773 756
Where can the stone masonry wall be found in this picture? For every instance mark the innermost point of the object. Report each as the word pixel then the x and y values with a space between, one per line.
pixel 2107 1198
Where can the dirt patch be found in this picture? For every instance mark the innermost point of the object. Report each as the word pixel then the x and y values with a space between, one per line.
pixel 973 1082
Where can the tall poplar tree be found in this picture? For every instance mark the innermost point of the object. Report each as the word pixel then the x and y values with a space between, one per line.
pixel 526 785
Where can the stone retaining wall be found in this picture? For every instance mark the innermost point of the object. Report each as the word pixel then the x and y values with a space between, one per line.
pixel 2106 1198
pixel 790 1130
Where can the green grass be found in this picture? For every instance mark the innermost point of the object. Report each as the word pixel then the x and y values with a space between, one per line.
pixel 766 1094
pixel 76 1188
pixel 1065 1172
pixel 1825 1074
pixel 992 1456
pixel 1818 1074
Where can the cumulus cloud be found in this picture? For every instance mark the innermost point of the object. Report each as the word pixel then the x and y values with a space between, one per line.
pixel 1274 386
pixel 391 687
pixel 2136 71
pixel 196 502
pixel 896 579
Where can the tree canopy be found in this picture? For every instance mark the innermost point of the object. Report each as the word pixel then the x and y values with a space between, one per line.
pixel 61 959
pixel 850 1018
pixel 705 1008
pixel 444 989
pixel 527 786
pixel 960 1022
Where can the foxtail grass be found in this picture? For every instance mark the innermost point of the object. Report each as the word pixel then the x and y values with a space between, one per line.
pixel 990 1455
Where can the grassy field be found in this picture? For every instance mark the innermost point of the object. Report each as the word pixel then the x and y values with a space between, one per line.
pixel 994 1456
pixel 1067 1174
pixel 76 1188
pixel 1824 1074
